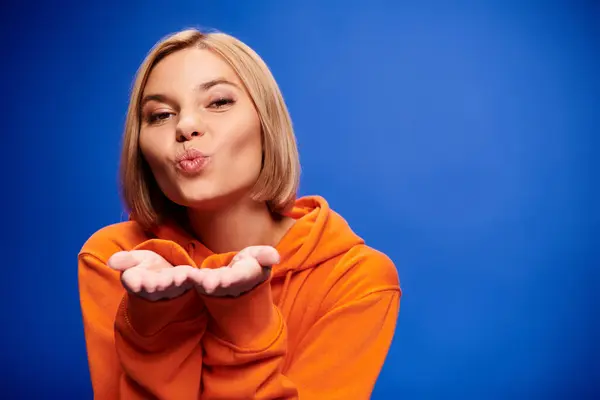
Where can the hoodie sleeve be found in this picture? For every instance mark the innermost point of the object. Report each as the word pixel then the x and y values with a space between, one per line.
pixel 139 349
pixel 339 357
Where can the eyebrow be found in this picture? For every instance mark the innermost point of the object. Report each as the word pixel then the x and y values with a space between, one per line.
pixel 203 87
pixel 214 82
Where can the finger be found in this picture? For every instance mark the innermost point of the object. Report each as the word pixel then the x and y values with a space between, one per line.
pixel 243 277
pixel 196 275
pixel 164 279
pixel 181 274
pixel 171 283
pixel 122 260
pixel 150 281
pixel 265 255
pixel 132 280
pixel 246 270
pixel 212 279
pixel 150 259
pixel 227 277
pixel 197 278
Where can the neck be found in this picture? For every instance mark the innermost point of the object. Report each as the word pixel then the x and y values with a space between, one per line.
pixel 243 224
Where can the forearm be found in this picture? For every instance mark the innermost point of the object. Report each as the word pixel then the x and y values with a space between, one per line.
pixel 334 359
pixel 158 342
pixel 158 346
pixel 342 354
pixel 245 343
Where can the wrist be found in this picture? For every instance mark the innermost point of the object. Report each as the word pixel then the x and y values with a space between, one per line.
pixel 249 321
pixel 147 318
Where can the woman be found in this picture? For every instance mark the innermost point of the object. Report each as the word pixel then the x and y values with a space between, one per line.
pixel 223 285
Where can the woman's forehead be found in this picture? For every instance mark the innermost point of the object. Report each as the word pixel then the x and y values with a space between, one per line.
pixel 190 68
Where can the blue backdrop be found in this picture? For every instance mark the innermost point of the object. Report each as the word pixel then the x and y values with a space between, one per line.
pixel 462 141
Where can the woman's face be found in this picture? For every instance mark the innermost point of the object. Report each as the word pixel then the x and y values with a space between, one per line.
pixel 200 132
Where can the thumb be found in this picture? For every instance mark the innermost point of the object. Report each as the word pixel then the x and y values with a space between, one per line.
pixel 264 255
pixel 122 261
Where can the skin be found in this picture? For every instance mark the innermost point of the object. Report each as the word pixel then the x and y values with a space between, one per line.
pixel 194 99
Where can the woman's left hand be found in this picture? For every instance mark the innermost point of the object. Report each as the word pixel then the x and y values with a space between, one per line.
pixel 248 269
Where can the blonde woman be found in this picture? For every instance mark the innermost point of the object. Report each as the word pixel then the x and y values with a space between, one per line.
pixel 223 284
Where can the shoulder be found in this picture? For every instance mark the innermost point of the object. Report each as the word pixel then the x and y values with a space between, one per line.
pixel 358 273
pixel 113 238
pixel 371 266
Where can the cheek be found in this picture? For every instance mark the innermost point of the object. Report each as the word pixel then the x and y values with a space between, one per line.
pixel 154 153
pixel 246 149
pixel 150 148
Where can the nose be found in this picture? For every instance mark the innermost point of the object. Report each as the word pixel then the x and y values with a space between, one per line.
pixel 187 136
pixel 189 127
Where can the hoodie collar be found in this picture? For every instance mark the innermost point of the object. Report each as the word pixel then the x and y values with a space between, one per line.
pixel 319 234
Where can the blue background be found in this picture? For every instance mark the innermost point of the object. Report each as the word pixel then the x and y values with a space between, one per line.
pixel 461 140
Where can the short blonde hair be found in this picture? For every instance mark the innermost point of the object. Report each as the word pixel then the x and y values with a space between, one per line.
pixel 278 181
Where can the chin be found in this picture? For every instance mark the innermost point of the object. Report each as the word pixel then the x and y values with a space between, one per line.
pixel 206 197
pixel 204 204
pixel 198 200
pixel 205 201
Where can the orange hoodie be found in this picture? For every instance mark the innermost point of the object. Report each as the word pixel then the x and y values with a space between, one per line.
pixel 319 328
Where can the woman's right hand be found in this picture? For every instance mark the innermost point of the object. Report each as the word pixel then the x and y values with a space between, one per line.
pixel 148 275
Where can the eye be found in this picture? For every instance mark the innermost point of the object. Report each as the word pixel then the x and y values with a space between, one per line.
pixel 221 103
pixel 158 117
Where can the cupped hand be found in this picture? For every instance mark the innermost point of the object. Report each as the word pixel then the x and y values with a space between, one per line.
pixel 248 269
pixel 148 275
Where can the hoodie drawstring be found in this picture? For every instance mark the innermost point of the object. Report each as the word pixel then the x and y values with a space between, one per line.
pixel 191 248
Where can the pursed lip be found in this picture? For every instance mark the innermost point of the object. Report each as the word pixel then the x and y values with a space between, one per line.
pixel 191 162
pixel 190 154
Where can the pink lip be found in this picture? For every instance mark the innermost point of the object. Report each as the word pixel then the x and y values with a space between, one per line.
pixel 191 161
pixel 190 154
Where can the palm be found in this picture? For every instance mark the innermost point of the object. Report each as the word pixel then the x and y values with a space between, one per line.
pixel 249 268
pixel 148 275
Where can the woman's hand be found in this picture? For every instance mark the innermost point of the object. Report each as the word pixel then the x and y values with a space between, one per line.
pixel 248 269
pixel 150 276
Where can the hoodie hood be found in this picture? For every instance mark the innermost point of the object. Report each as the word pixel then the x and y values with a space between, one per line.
pixel 318 235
